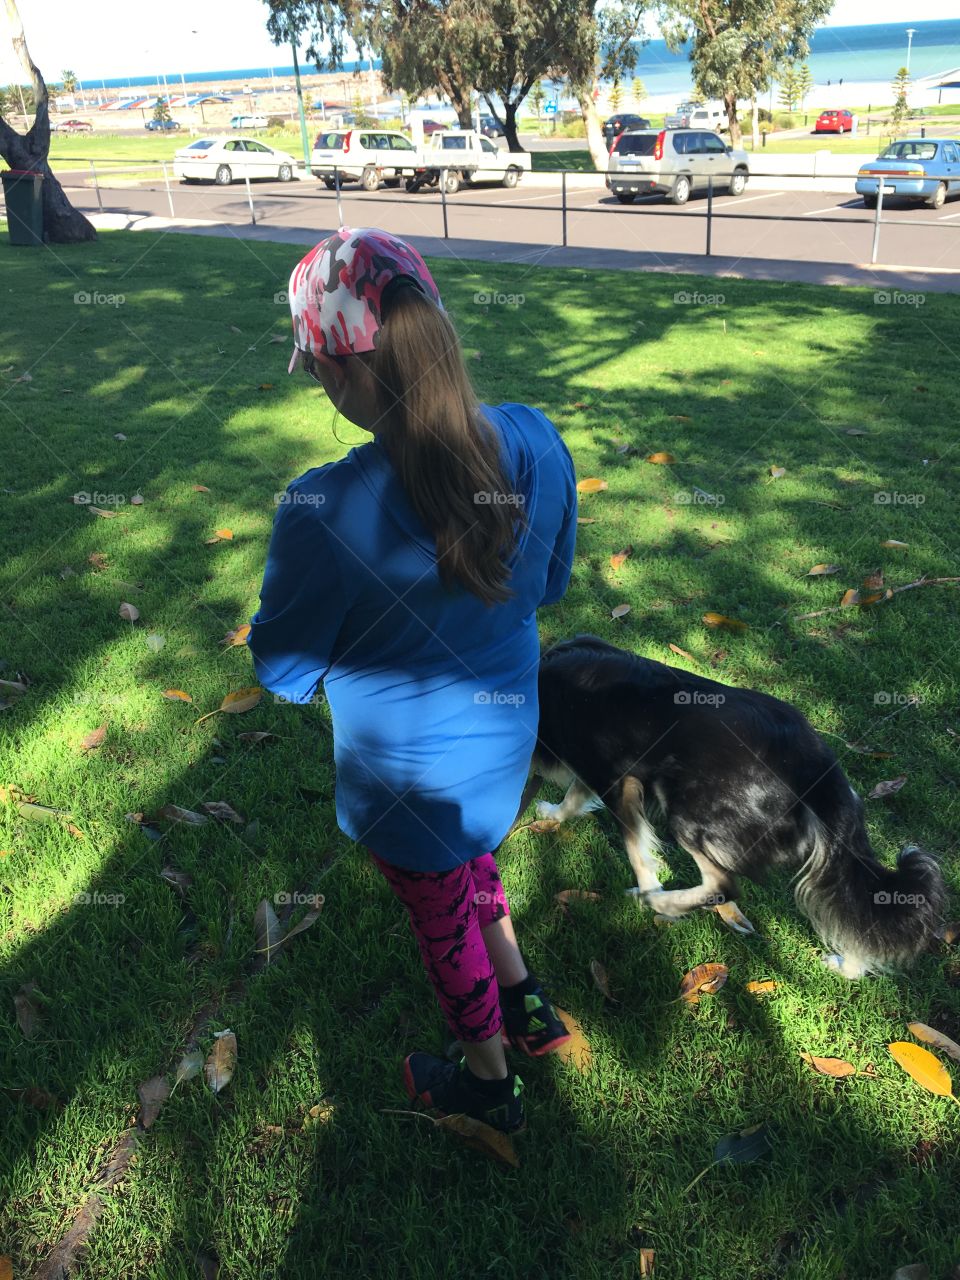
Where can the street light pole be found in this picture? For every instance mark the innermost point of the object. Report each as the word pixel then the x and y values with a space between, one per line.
pixel 303 119
pixel 911 32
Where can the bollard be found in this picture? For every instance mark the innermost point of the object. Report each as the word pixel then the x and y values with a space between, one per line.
pixel 876 221
pixel 166 183
pixel 923 131
pixel 563 199
pixel 443 201
pixel 336 183
pixel 709 212
pixel 253 215
pixel 96 183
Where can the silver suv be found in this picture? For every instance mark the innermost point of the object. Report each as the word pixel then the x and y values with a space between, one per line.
pixel 675 162
pixel 367 156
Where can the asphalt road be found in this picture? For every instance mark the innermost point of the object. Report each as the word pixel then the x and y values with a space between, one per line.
pixel 798 226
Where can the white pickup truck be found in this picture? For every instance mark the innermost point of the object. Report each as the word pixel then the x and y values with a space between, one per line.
pixel 466 156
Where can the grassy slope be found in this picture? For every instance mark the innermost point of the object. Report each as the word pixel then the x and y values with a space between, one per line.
pixel 774 376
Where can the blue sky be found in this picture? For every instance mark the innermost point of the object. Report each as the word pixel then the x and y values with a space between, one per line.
pixel 121 37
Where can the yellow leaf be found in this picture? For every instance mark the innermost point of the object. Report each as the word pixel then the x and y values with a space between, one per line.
pixel 200 488
pixel 242 700
pixel 939 1041
pixel 224 533
pixel 591 485
pixel 765 988
pixel 6 1268
pixel 645 1261
pixel 835 1067
pixel 675 648
pixel 928 1072
pixel 820 570
pixel 476 1134
pixel 660 458
pixel 586 520
pixel 721 620
pixel 849 598
pixel 617 560
pixel 577 1048
pixel 704 979
pixel 237 637
pixel 221 1061
pixel 733 918
pixel 177 695
pixel 892 542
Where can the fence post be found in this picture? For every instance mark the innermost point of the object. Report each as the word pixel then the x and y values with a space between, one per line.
pixel 443 201
pixel 336 183
pixel 253 215
pixel 96 183
pixel 876 221
pixel 166 183
pixel 709 213
pixel 563 197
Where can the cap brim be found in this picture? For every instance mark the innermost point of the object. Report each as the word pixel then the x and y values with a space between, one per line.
pixel 294 359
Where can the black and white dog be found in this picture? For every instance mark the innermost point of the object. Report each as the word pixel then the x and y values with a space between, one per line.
pixel 743 783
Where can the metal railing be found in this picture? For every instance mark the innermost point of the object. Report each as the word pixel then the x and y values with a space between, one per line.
pixel 709 214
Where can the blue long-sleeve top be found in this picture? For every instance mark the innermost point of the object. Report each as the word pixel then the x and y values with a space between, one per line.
pixel 433 694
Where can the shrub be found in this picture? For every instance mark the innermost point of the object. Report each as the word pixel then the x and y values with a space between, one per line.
pixel 275 122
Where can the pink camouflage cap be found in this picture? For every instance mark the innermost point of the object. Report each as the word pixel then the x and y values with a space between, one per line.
pixel 336 290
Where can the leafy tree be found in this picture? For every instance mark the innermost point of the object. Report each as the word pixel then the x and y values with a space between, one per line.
pixel 739 45
pixel 789 88
pixel 616 95
pixel 70 82
pixel 62 224
pixel 639 91
pixel 161 110
pixel 900 88
pixel 537 97
pixel 804 83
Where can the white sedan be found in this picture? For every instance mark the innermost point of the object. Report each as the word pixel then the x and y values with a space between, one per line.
pixel 223 160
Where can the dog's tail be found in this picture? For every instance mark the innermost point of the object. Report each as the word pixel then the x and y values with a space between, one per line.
pixel 877 918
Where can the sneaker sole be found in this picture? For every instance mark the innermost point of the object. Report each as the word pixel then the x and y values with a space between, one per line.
pixel 520 1043
pixel 430 1105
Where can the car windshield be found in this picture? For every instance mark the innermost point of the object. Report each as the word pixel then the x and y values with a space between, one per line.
pixel 636 144
pixel 910 151
pixel 203 145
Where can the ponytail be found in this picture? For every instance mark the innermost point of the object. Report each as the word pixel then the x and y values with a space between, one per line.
pixel 446 455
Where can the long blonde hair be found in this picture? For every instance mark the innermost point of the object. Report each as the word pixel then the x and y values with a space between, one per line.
pixel 446 454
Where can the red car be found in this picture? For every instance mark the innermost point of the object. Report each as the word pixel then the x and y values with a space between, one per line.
pixel 834 122
pixel 432 126
pixel 73 126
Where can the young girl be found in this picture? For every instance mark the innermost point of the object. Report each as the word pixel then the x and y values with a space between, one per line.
pixel 406 577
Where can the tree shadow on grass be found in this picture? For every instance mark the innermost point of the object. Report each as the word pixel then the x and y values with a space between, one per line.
pixel 121 985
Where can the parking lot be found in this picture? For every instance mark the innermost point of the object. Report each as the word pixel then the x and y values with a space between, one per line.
pixel 797 226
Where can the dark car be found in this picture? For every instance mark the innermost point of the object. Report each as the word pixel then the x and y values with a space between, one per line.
pixel 490 128
pixel 613 127
pixel 163 126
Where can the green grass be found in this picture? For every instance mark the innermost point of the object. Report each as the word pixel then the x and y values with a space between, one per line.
pixel 863 1173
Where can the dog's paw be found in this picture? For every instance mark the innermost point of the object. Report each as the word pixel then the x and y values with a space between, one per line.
pixel 845 966
pixel 834 963
pixel 648 897
pixel 547 810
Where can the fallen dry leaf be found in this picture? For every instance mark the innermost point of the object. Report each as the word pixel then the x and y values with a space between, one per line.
pixel 599 975
pixel 577 1049
pixel 102 512
pixel 892 542
pixel 617 560
pixel 221 1060
pixel 765 988
pixel 191 1064
pixel 236 637
pixel 219 535
pixel 199 488
pixel 586 520
pixel 129 612
pixel 28 1012
pixel 268 931
pixel 821 570
pixel 645 1261
pixel 721 620
pixel 661 458
pixel 237 702
pixel 855 431
pixel 566 896
pixel 835 1067
pixel 480 1136
pixel 889 788
pixel 675 648
pixel 97 559
pixel 94 739
pixel 733 918
pixel 176 695
pixel 704 979
pixel 265 386
pixel 778 472
pixel 619 611
pixel 256 735
pixel 152 1094
pixel 939 1041
pixel 178 879
pixel 220 810
pixel 919 1063
pixel 591 485
pixel 174 813
pixel 874 580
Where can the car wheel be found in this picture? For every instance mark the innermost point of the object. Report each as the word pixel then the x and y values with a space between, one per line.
pixel 681 190
pixel 869 202
pixel 411 184
pixel 223 177
pixel 452 184
pixel 737 183
pixel 625 197
pixel 511 177
pixel 391 182
pixel 369 180
pixel 285 173
pixel 330 183
pixel 938 197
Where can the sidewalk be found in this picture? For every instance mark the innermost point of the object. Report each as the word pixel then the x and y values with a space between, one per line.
pixel 907 279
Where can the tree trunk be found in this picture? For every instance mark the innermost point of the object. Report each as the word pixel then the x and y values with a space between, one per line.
pixel 591 118
pixel 509 121
pixel 730 102
pixel 459 95
pixel 62 224
pixel 755 122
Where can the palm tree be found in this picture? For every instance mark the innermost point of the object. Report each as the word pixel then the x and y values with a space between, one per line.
pixel 70 82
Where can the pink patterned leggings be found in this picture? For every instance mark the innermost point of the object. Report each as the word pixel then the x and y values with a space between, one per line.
pixel 448 910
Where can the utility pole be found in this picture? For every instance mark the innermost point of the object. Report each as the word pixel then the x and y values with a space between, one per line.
pixel 303 119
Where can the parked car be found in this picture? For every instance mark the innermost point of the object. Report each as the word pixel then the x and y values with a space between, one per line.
pixel 489 127
pixel 465 156
pixel 224 160
pixel 616 124
pixel 675 162
pixel 367 156
pixel 433 126
pixel 918 168
pixel 73 126
pixel 834 122
pixel 248 122
pixel 698 115
pixel 163 126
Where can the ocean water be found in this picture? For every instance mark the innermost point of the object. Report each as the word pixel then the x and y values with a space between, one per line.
pixel 861 53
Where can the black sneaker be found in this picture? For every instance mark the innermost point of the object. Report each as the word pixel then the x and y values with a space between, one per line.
pixel 441 1086
pixel 530 1022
